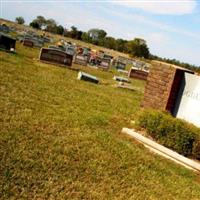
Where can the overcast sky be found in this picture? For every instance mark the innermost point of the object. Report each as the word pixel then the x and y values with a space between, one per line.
pixel 170 27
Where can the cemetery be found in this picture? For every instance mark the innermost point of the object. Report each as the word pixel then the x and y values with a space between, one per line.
pixel 64 128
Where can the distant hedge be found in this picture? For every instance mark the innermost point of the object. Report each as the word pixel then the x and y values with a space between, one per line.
pixel 171 132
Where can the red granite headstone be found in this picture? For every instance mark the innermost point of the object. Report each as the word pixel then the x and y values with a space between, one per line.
pixel 28 43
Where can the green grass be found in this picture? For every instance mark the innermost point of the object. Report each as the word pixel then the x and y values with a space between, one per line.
pixel 60 138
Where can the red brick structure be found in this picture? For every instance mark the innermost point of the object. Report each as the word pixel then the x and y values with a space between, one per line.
pixel 162 86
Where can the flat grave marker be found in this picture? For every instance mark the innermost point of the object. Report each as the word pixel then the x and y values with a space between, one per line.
pixel 121 79
pixel 87 77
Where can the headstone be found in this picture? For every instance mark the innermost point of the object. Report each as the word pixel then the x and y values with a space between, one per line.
pixel 55 56
pixel 123 71
pixel 70 50
pixel 138 74
pixel 119 65
pixel 104 64
pixel 55 47
pixel 121 79
pixel 4 28
pixel 28 43
pixel 7 43
pixel 47 39
pixel 163 85
pixel 187 105
pixel 81 60
pixel 87 77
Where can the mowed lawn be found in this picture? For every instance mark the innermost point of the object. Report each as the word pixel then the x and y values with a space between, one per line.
pixel 60 138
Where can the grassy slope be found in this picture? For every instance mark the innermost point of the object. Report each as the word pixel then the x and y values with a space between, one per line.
pixel 60 138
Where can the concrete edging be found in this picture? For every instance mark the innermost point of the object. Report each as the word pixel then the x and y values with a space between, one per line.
pixel 191 164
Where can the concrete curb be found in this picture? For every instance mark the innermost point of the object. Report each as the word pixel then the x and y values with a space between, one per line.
pixel 186 162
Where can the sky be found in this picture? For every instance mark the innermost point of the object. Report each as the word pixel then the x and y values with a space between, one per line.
pixel 170 27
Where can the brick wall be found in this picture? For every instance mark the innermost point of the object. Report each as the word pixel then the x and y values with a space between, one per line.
pixel 162 86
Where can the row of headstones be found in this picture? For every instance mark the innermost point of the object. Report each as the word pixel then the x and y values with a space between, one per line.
pixel 68 54
pixel 88 77
pixel 57 56
pixel 29 39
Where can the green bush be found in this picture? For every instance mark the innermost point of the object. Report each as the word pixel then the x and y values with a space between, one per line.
pixel 171 132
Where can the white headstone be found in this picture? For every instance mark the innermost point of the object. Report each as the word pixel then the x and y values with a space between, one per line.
pixel 188 103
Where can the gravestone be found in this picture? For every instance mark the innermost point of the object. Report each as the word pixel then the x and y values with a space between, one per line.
pixel 70 50
pixel 81 60
pixel 55 47
pixel 4 28
pixel 138 74
pixel 7 43
pixel 187 105
pixel 47 39
pixel 121 79
pixel 163 86
pixel 120 65
pixel 87 77
pixel 104 64
pixel 55 56
pixel 123 71
pixel 28 43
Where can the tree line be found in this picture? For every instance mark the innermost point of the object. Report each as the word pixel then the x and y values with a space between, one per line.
pixel 135 48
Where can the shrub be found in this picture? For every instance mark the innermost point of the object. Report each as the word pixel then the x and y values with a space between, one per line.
pixel 171 132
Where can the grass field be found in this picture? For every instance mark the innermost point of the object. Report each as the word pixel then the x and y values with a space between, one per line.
pixel 60 138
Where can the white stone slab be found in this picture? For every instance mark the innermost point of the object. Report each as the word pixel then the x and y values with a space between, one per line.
pixel 168 153
pixel 188 106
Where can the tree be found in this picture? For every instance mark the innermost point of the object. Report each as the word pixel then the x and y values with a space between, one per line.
pixel 96 35
pixel 34 24
pixel 109 42
pixel 60 30
pixel 51 26
pixel 73 31
pixel 136 48
pixel 121 45
pixel 79 35
pixel 20 20
pixel 41 21
pixel 85 37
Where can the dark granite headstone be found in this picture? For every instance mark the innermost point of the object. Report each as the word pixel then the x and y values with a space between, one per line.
pixel 7 43
pixel 55 56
